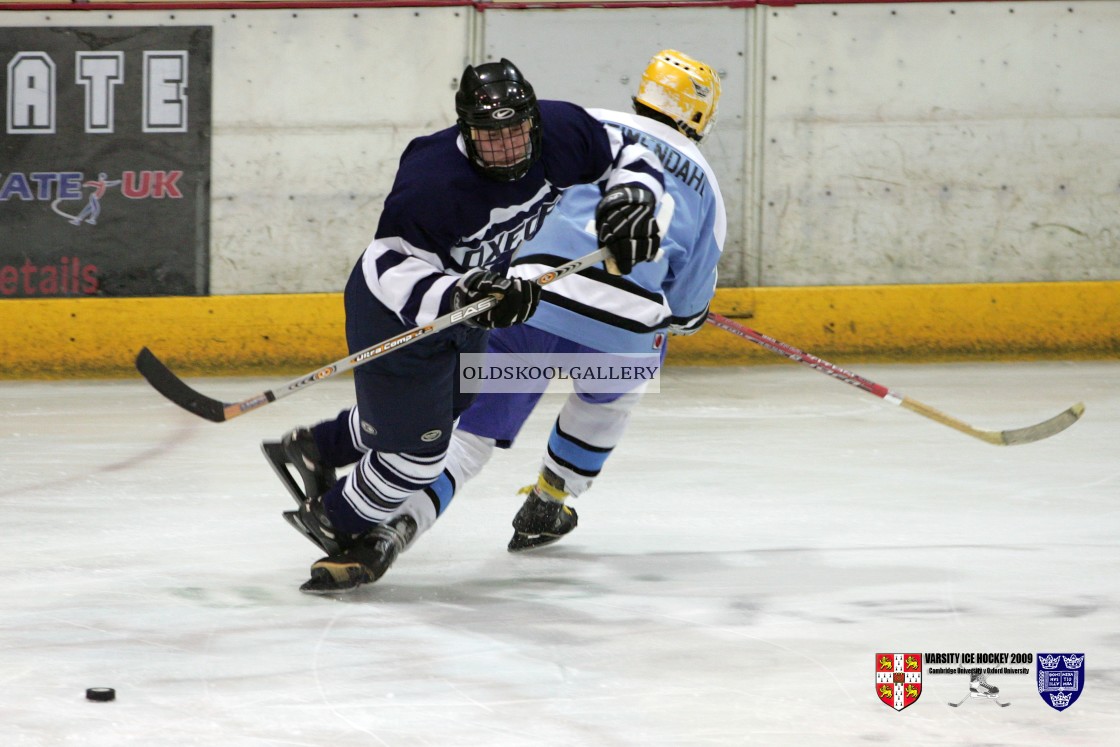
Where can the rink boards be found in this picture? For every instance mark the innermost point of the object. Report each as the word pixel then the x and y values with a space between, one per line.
pixel 273 333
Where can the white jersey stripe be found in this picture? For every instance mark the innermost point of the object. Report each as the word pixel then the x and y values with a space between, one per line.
pixel 590 292
pixel 397 285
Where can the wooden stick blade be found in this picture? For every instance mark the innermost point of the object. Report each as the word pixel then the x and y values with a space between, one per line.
pixel 1046 428
pixel 164 381
pixel 1012 437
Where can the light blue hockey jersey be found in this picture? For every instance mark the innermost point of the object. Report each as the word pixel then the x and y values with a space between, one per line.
pixel 631 314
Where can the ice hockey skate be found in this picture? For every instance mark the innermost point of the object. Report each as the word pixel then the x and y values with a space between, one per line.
pixel 297 451
pixel 364 561
pixel 543 519
pixel 979 687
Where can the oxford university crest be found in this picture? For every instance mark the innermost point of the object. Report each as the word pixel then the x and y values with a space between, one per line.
pixel 1061 679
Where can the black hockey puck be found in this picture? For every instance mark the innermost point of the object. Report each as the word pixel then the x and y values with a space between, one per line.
pixel 101 694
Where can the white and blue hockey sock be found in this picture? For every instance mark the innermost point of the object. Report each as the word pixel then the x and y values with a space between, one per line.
pixel 583 437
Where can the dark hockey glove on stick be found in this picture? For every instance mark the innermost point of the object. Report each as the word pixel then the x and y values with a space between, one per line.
pixel 164 380
pixel 626 223
pixel 1026 435
pixel 517 298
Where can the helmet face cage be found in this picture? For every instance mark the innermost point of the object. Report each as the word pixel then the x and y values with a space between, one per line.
pixel 683 89
pixel 499 120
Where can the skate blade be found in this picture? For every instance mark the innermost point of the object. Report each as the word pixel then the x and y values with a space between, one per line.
pixel 274 453
pixel 522 542
pixel 292 517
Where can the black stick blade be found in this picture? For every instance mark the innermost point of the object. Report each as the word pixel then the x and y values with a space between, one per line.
pixel 171 386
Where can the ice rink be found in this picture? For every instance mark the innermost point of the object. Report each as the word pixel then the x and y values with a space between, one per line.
pixel 760 534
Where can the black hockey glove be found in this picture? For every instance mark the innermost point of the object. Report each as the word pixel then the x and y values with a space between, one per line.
pixel 517 298
pixel 627 226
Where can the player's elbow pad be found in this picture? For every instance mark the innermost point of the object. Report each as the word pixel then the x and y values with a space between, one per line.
pixel 687 325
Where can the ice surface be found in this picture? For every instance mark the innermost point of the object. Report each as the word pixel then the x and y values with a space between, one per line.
pixel 760 534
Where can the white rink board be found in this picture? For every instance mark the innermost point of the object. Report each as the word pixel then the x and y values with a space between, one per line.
pixel 941 142
pixel 306 147
pixel 606 75
pixel 856 144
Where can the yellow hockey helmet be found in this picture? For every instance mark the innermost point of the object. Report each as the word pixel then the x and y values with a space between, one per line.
pixel 683 89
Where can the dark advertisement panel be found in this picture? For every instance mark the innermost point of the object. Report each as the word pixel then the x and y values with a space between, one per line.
pixel 105 161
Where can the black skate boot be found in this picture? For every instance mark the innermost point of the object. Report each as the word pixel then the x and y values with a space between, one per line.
pixel 364 561
pixel 298 450
pixel 543 518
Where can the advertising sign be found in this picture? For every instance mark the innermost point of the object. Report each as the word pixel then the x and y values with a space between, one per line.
pixel 105 161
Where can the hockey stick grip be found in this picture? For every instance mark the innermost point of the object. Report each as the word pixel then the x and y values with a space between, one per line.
pixel 612 266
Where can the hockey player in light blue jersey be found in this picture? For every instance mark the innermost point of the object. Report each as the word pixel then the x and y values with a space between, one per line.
pixel 596 312
pixel 463 201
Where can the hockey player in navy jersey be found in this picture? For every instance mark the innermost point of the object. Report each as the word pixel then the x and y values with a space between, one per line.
pixel 463 200
pixel 594 311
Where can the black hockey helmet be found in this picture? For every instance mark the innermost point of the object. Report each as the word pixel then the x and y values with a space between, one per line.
pixel 495 96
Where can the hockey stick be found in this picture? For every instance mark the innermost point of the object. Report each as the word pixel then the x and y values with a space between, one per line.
pixel 1012 437
pixel 175 389
pixel 999 702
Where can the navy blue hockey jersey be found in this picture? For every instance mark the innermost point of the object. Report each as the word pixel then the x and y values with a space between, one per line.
pixel 444 219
